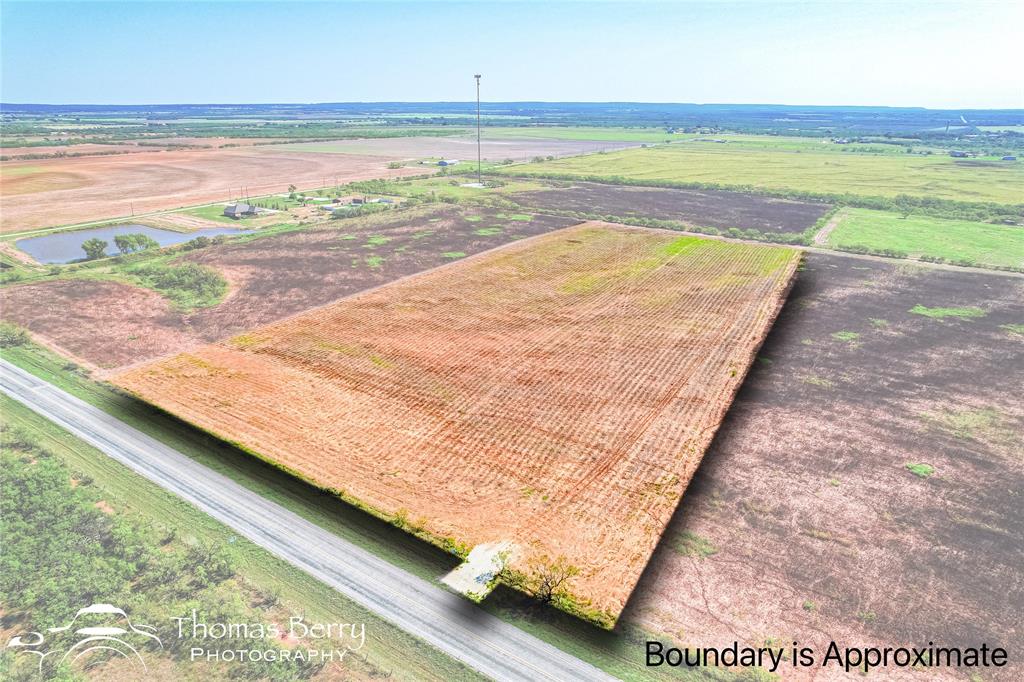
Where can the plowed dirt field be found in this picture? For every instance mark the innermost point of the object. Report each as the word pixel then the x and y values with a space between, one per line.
pixel 557 393
pixel 48 192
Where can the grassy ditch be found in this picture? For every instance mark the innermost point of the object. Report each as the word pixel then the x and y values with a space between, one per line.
pixel 159 558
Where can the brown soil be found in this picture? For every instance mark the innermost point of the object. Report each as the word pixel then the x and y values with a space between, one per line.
pixel 72 190
pixel 707 208
pixel 557 393
pixel 819 530
pixel 110 325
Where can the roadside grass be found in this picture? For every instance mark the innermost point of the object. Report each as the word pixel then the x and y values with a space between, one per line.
pixel 956 241
pixel 611 651
pixel 967 313
pixel 773 168
pixel 388 649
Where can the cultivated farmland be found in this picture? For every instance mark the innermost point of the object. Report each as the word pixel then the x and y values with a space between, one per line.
pixel 557 393
pixel 827 171
pixel 70 190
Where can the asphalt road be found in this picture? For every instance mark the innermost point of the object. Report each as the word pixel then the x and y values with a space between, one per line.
pixel 445 620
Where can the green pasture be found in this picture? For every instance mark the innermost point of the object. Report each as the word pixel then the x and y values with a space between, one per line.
pixel 917 236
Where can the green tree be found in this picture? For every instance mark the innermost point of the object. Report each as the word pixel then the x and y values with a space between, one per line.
pixel 143 242
pixel 137 241
pixel 94 248
pixel 124 243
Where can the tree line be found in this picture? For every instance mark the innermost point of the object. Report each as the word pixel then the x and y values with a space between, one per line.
pixel 125 243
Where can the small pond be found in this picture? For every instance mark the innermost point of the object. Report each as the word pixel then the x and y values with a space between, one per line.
pixel 65 247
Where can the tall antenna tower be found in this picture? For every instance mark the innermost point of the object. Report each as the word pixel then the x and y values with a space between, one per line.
pixel 479 176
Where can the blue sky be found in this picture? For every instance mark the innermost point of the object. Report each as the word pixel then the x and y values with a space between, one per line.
pixel 956 55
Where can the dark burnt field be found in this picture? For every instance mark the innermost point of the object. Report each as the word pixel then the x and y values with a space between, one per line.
pixel 280 276
pixel 707 208
pixel 111 324
pixel 804 521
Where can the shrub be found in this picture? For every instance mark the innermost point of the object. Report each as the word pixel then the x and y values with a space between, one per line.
pixel 12 335
pixel 197 243
pixel 189 285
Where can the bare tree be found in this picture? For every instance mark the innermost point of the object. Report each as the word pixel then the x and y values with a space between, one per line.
pixel 545 580
pixel 552 578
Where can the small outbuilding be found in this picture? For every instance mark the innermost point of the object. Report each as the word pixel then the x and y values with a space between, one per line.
pixel 448 162
pixel 237 211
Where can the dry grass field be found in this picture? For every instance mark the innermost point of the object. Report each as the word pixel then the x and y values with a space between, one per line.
pixel 557 393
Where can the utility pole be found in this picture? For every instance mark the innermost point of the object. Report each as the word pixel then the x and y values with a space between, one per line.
pixel 479 178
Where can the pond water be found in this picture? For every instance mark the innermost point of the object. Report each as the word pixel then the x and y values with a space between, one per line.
pixel 65 247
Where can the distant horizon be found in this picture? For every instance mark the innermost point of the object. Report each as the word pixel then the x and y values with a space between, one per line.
pixel 485 103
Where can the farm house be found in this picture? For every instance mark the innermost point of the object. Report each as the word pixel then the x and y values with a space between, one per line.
pixel 237 211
